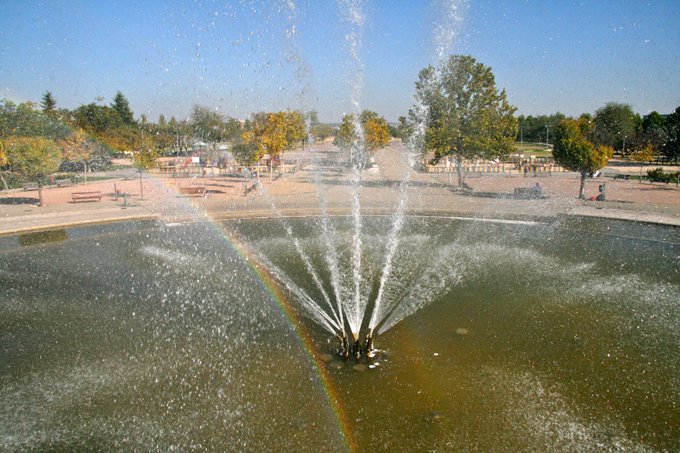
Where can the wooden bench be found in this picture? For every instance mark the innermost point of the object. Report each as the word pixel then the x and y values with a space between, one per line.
pixel 528 192
pixel 31 186
pixel 193 190
pixel 63 182
pixel 86 196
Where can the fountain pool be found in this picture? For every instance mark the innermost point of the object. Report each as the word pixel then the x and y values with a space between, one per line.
pixel 526 337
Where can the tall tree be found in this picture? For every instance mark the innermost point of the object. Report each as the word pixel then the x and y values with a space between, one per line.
pixel 615 124
pixel 48 103
pixel 374 133
pixel 77 148
pixel 575 152
pixel 122 107
pixel 144 159
pixel 26 121
pixel 671 149
pixel 466 115
pixel 33 158
pixel 296 131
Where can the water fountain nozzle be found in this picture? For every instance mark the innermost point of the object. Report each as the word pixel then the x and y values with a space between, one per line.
pixel 343 350
pixel 369 349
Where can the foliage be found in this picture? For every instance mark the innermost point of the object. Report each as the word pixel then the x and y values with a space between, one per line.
pixel 658 175
pixel 212 126
pixel 574 152
pixel 121 106
pixel 643 154
pixel 536 129
pixel 245 153
pixel 296 131
pixel 24 120
pixel 80 152
pixel 466 115
pixel 321 132
pixel 48 103
pixel 32 157
pixel 374 135
pixel 97 119
pixel 346 138
pixel 145 158
pixel 615 124
pixel 671 148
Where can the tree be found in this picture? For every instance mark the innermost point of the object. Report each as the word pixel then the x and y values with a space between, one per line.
pixel 574 152
pixel 615 124
pixel 97 119
pixel 536 129
pixel 466 115
pixel 25 121
pixel 671 149
pixel 77 148
pixel 321 132
pixel 644 154
pixel 375 135
pixel 3 162
pixel 122 107
pixel 296 131
pixel 652 133
pixel 144 159
pixel 33 157
pixel 48 103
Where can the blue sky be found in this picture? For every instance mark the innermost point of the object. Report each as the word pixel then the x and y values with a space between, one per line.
pixel 248 56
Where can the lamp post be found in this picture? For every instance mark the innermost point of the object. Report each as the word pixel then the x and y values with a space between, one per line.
pixel 547 135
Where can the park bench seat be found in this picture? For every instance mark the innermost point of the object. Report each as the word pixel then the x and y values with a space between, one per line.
pixel 193 190
pixel 63 182
pixel 528 192
pixel 31 186
pixel 86 196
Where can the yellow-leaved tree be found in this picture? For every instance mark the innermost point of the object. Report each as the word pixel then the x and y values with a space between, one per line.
pixel 76 148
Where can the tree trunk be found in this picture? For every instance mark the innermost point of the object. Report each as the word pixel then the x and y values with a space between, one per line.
pixel 459 170
pixel 40 195
pixel 582 189
pixel 4 183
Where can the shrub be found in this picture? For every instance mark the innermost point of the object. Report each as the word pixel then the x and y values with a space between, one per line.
pixel 658 175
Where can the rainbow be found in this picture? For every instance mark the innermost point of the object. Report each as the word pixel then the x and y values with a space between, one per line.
pixel 278 298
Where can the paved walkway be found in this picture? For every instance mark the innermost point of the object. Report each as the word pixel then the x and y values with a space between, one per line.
pixel 325 184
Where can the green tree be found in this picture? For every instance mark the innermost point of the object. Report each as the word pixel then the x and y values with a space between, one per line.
pixel 643 154
pixel 374 135
pixel 574 152
pixel 671 149
pixel 143 160
pixel 33 158
pixel 245 153
pixel 466 115
pixel 652 133
pixel 321 132
pixel 296 131
pixel 97 119
pixel 122 107
pixel 615 125
pixel 48 103
pixel 25 121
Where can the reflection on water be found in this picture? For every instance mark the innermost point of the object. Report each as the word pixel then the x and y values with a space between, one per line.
pixel 528 338
pixel 42 237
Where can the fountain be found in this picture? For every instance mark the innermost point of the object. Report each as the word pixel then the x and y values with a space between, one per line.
pixel 256 334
